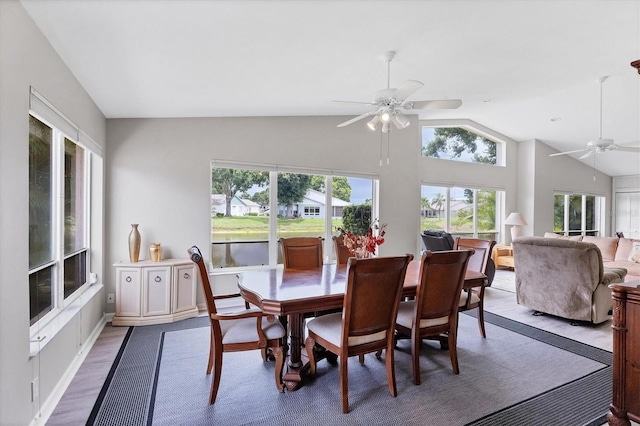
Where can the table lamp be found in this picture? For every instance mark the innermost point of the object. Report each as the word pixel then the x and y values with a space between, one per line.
pixel 516 221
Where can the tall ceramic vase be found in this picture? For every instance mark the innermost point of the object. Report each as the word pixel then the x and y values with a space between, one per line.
pixel 134 243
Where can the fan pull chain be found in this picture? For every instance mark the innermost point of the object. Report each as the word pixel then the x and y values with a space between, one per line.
pixel 381 142
pixel 380 149
pixel 388 135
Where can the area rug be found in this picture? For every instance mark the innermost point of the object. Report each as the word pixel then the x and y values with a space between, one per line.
pixel 504 280
pixel 519 375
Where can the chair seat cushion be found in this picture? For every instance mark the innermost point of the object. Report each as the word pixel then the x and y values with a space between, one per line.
pixel 329 327
pixel 463 298
pixel 405 317
pixel 244 330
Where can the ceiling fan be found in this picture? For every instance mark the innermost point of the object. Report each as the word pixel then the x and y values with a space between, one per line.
pixel 601 144
pixel 390 104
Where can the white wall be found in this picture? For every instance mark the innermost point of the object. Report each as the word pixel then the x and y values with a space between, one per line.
pixel 566 174
pixel 27 59
pixel 160 169
pixel 160 173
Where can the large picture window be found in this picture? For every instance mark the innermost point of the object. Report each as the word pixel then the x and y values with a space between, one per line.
pixel 464 212
pixel 58 208
pixel 243 228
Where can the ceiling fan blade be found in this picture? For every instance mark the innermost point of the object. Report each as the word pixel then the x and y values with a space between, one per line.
pixel 353 120
pixel 407 89
pixel 355 102
pixel 569 152
pixel 629 143
pixel 588 154
pixel 435 104
pixel 627 148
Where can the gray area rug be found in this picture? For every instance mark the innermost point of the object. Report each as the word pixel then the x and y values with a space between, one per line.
pixel 506 379
pixel 504 280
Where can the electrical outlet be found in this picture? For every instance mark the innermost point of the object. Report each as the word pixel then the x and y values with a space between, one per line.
pixel 111 298
pixel 35 385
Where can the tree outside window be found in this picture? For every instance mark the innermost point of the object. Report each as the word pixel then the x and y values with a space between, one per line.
pixel 576 214
pixel 456 143
pixel 241 210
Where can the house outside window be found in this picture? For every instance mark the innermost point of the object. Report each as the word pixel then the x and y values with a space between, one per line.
pixel 464 212
pixel 302 204
pixel 58 212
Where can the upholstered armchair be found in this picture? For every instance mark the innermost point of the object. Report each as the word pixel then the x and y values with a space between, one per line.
pixel 564 278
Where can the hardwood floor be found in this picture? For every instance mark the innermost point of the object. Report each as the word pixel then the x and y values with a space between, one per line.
pixel 77 402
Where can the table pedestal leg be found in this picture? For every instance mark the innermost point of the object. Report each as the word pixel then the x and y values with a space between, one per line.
pixel 297 364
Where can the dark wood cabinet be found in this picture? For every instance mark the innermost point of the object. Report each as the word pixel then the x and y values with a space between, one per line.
pixel 626 354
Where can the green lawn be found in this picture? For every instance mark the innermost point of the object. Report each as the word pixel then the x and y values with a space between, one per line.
pixel 260 224
pixel 251 224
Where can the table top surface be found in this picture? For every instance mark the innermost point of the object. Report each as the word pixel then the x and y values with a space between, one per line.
pixel 277 290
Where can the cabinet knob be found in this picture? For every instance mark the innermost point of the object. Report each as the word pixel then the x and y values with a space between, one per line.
pixel 157 279
pixel 186 276
pixel 128 279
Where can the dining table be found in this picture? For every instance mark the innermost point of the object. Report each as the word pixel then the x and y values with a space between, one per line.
pixel 291 294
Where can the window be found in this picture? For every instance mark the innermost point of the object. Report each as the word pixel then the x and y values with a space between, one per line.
pixel 459 144
pixel 58 211
pixel 577 214
pixel 465 212
pixel 312 211
pixel 305 204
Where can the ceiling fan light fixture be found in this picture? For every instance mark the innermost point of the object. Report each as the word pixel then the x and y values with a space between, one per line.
pixel 385 116
pixel 373 123
pixel 400 120
pixel 385 127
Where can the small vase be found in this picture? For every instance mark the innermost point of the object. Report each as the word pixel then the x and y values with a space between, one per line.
pixel 134 243
pixel 363 254
pixel 155 252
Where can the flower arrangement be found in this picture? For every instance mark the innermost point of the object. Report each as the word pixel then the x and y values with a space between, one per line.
pixel 362 246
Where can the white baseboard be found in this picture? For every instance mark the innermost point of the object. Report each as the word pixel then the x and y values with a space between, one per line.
pixel 50 404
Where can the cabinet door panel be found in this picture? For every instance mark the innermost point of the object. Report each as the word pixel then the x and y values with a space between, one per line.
pixel 128 292
pixel 184 291
pixel 156 291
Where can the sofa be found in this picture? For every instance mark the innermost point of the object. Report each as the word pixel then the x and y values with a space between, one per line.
pixel 565 278
pixel 616 252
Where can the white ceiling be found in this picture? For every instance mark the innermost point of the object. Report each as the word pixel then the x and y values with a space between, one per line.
pixel 534 60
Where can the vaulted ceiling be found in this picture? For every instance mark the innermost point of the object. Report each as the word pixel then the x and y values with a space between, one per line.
pixel 526 69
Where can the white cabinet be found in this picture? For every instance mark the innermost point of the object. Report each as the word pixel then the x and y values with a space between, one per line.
pixel 155 292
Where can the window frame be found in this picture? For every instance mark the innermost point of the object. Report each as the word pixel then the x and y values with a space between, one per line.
pixel 501 144
pixel 499 207
pixel 274 170
pixel 59 302
pixel 598 214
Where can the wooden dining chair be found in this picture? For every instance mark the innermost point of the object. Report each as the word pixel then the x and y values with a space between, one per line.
pixel 473 298
pixel 434 311
pixel 342 251
pixel 237 331
pixel 302 252
pixel 366 323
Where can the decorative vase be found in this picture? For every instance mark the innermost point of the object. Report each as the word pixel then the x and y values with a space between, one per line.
pixel 134 243
pixel 362 253
pixel 155 252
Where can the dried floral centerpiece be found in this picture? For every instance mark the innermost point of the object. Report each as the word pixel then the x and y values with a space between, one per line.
pixel 363 246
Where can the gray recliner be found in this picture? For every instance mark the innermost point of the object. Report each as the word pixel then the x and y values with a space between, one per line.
pixel 564 278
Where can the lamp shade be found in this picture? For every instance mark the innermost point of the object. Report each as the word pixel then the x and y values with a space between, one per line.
pixel 515 219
